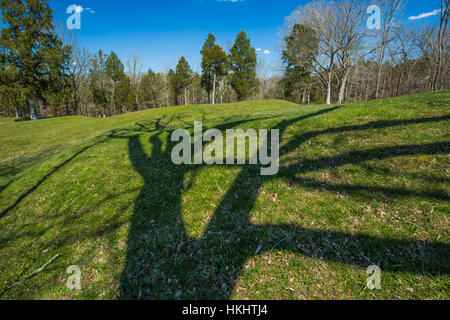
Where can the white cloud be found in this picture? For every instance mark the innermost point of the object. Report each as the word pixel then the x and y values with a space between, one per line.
pixel 258 49
pixel 80 9
pixel 425 15
pixel 267 51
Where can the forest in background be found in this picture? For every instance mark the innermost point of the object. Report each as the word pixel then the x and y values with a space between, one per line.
pixel 329 55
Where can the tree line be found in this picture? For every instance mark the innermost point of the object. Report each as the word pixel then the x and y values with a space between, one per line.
pixel 328 55
pixel 44 72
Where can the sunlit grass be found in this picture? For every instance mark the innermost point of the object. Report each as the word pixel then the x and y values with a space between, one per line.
pixel 360 184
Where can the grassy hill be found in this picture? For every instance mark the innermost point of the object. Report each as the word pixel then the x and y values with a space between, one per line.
pixel 359 185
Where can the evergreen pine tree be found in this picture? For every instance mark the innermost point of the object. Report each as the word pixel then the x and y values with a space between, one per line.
pixel 243 67
pixel 215 66
pixel 29 45
pixel 181 79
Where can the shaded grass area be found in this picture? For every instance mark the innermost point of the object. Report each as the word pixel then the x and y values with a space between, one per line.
pixel 359 185
pixel 29 143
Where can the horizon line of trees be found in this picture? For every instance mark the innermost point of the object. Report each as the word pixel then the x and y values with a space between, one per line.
pixel 43 72
pixel 328 54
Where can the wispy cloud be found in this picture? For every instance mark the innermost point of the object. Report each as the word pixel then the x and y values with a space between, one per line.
pixel 80 9
pixel 425 15
pixel 265 51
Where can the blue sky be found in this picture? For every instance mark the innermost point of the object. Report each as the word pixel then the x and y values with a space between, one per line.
pixel 162 31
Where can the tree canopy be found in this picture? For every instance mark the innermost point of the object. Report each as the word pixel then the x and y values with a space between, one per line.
pixel 181 79
pixel 300 46
pixel 243 67
pixel 31 50
pixel 215 66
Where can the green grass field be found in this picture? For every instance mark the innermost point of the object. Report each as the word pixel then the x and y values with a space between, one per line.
pixel 359 185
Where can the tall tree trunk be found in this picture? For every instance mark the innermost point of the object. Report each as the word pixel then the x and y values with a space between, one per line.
pixel 214 90
pixel 303 96
pixel 342 87
pixel 380 69
pixel 441 43
pixel 185 97
pixel 32 106
pixel 329 89
pixel 17 113
pixel 437 71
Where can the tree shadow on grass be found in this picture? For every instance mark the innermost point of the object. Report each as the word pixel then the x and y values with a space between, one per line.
pixel 43 179
pixel 164 262
pixel 3 187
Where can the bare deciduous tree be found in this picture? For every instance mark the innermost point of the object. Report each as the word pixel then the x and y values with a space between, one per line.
pixel 391 10
pixel 134 70
pixel 441 42
pixel 350 35
pixel 78 70
pixel 79 64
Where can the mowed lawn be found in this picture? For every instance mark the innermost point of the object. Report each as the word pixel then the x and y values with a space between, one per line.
pixel 359 185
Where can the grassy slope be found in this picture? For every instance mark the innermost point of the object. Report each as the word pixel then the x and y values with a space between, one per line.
pixel 359 185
